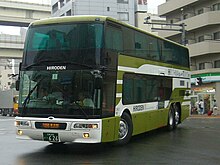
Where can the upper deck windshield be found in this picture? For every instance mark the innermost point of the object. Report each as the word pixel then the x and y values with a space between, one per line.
pixel 78 42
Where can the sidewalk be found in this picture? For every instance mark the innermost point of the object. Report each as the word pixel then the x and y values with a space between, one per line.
pixel 204 116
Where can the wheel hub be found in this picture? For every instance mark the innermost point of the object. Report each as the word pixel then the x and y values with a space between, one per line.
pixel 123 129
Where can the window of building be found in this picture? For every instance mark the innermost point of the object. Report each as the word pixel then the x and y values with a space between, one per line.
pixel 217 36
pixel 185 16
pixel 217 64
pixel 200 11
pixel 123 16
pixel 201 38
pixel 108 8
pixel 67 1
pixel 55 7
pixel 122 1
pixel 61 3
pixel 142 2
pixel 216 7
pixel 68 13
pixel 29 14
pixel 201 66
pixel 9 83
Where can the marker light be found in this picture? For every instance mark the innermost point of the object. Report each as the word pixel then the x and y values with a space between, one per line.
pixel 85 135
pixel 20 132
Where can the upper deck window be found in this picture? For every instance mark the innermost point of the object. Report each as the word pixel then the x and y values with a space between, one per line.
pixel 64 42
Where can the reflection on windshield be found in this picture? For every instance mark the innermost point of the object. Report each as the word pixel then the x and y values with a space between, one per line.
pixel 60 92
pixel 80 42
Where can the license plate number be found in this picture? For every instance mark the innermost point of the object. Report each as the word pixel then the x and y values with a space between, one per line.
pixel 51 137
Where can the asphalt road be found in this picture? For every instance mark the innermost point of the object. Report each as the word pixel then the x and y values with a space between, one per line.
pixel 196 141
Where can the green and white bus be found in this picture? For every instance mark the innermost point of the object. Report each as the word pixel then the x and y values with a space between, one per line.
pixel 133 81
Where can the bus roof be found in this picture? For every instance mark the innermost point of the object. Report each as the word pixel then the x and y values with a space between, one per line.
pixel 88 18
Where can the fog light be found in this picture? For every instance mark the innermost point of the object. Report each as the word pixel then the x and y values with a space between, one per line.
pixel 20 132
pixel 85 135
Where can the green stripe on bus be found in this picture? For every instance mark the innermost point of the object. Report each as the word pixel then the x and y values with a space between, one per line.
pixel 117 100
pixel 184 112
pixel 110 129
pixel 146 121
pixel 119 88
pixel 205 75
pixel 120 75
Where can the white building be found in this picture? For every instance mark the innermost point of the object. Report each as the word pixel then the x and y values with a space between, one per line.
pixel 123 10
pixel 202 38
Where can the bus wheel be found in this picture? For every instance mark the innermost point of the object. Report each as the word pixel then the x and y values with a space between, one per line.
pixel 171 124
pixel 176 115
pixel 125 129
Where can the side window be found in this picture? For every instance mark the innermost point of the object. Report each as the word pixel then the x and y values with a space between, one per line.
pixel 152 89
pixel 153 47
pixel 140 45
pixel 139 90
pixel 128 40
pixel 128 93
pixel 145 88
pixel 114 38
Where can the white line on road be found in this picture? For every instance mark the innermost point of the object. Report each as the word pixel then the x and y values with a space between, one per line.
pixel 6 119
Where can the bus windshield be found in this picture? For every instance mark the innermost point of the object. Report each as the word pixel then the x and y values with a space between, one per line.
pixel 79 42
pixel 70 93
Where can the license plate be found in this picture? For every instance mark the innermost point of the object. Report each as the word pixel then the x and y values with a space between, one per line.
pixel 51 137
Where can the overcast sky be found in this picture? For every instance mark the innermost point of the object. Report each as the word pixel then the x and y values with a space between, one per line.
pixel 153 4
pixel 152 8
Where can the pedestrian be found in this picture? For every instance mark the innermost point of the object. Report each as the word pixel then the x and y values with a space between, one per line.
pixel 201 107
pixel 215 108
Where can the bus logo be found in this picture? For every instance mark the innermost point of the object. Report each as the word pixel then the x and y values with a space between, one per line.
pixel 56 67
pixel 138 108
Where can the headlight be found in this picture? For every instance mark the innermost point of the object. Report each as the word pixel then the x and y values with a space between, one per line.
pixel 23 123
pixel 84 126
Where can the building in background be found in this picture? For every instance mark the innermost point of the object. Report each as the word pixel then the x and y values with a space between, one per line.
pixel 142 17
pixel 120 9
pixel 16 13
pixel 203 40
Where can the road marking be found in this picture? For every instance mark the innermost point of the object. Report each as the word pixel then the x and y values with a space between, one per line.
pixel 6 119
pixel 2 131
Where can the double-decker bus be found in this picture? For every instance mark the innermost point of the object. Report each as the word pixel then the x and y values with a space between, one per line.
pixel 93 79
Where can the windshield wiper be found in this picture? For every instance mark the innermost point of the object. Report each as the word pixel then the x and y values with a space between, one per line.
pixel 76 63
pixel 81 109
pixel 38 63
pixel 29 94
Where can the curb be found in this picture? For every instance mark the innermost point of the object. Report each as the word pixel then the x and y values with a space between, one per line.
pixel 204 116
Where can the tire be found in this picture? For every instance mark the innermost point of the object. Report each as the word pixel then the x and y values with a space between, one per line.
pixel 176 115
pixel 171 124
pixel 125 129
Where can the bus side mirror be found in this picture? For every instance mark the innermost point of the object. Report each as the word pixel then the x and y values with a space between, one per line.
pixel 17 83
